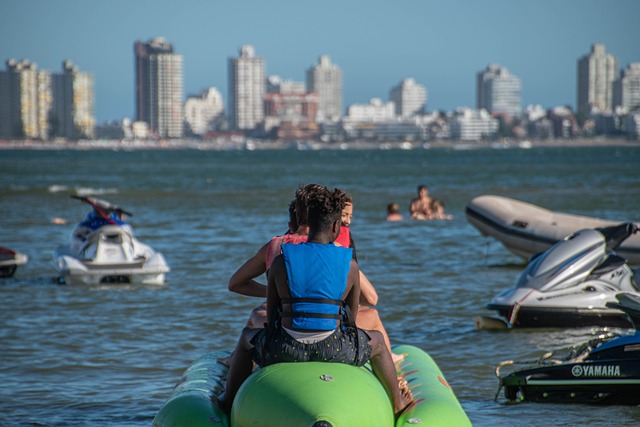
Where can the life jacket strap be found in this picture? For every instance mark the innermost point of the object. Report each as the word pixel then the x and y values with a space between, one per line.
pixel 338 316
pixel 312 300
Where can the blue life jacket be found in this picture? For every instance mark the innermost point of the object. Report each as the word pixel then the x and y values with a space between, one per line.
pixel 317 275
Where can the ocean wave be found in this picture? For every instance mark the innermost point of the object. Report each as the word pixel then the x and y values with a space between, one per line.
pixel 82 191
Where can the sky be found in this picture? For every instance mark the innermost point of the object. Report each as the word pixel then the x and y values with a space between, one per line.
pixel 441 44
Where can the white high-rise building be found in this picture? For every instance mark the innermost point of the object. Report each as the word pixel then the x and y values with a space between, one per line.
pixel 45 103
pixel 325 79
pixel 73 103
pixel 19 100
pixel 596 74
pixel 498 91
pixel 246 89
pixel 201 112
pixel 159 87
pixel 409 97
pixel 627 89
pixel 166 95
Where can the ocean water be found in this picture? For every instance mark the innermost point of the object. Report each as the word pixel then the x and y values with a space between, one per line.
pixel 110 355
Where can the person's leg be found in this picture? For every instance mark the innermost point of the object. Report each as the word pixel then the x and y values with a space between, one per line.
pixel 256 320
pixel 258 317
pixel 240 367
pixel 369 319
pixel 384 369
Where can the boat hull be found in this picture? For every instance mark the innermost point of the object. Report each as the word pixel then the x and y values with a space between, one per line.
pixel 526 229
pixel 558 317
pixel 74 271
pixel 603 382
pixel 110 254
pixel 9 261
pixel 302 394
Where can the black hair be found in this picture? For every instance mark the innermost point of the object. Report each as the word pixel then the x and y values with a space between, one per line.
pixel 324 209
pixel 301 202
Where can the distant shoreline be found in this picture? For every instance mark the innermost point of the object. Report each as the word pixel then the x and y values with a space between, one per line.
pixel 255 144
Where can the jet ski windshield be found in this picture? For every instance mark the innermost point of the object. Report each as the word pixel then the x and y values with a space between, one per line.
pixel 574 256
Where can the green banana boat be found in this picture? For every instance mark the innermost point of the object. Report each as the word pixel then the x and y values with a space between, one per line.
pixel 312 394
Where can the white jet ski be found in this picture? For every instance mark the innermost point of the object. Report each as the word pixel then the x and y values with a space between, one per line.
pixel 103 249
pixel 572 284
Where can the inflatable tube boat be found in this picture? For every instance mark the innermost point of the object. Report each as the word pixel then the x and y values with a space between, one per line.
pixel 312 394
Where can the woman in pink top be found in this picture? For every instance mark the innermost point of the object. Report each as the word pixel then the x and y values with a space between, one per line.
pixel 368 317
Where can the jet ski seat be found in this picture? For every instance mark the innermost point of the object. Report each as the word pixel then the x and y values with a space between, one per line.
pixel 630 304
pixel 612 263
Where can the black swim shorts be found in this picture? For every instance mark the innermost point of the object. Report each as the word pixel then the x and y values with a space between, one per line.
pixel 350 346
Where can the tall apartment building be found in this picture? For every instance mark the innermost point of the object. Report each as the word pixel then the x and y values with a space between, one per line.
pixel 25 101
pixel 409 97
pixel 325 79
pixel 627 89
pixel 246 89
pixel 73 109
pixel 159 90
pixel 596 74
pixel 498 91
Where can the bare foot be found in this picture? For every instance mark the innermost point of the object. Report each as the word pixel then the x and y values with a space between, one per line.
pixel 222 403
pixel 224 361
pixel 397 357
pixel 406 397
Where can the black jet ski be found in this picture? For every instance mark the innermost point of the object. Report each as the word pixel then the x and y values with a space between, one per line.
pixel 605 370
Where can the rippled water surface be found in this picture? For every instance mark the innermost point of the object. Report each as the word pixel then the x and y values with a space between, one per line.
pixel 110 355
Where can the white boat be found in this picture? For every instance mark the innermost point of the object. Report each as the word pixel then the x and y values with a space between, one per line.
pixel 108 254
pixel 9 261
pixel 526 229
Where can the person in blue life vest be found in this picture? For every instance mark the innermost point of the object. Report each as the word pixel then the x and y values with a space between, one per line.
pixel 94 219
pixel 313 291
pixel 243 281
pixel 102 213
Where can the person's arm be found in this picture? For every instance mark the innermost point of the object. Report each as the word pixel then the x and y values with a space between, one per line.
pixel 277 277
pixel 368 294
pixel 353 286
pixel 414 208
pixel 242 282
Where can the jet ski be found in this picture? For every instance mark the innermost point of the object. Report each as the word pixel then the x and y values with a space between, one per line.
pixel 570 284
pixel 103 249
pixel 605 370
pixel 9 261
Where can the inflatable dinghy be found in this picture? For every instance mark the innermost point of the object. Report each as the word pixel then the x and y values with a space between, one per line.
pixel 526 229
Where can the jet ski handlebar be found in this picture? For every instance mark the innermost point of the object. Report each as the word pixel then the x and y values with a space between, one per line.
pixel 100 204
pixel 617 234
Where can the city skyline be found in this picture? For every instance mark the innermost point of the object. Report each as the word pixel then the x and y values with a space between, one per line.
pixel 376 44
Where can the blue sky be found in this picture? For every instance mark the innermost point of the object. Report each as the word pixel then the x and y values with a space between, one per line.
pixel 441 44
